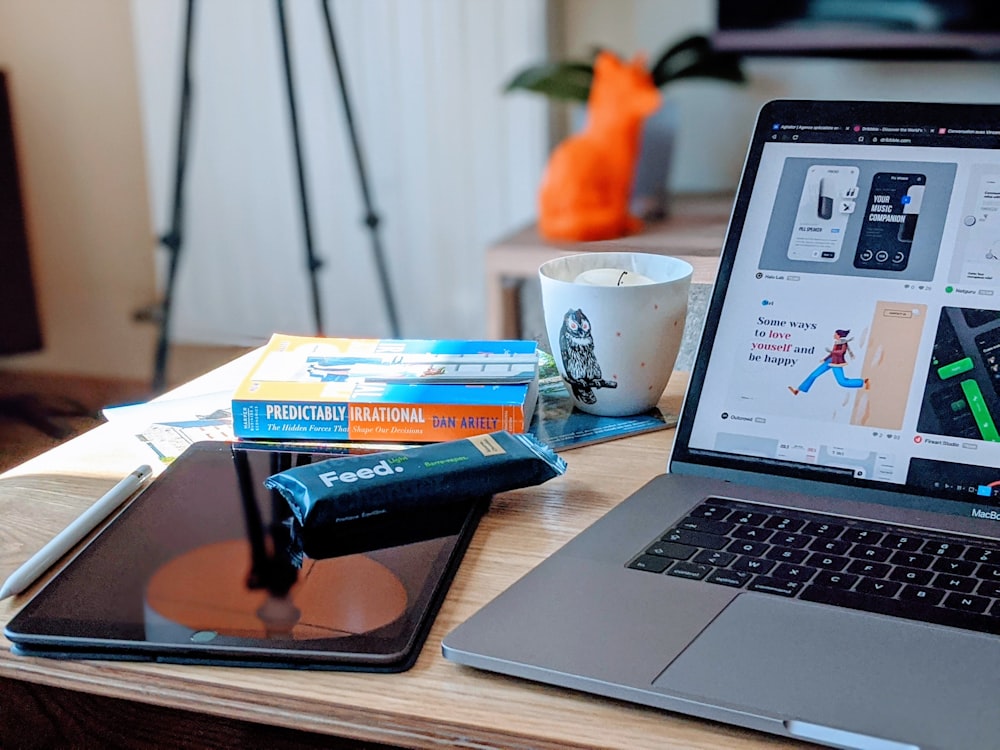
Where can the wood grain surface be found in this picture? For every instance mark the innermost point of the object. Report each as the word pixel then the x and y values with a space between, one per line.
pixel 436 704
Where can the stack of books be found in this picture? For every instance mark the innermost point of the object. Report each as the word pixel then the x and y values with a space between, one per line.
pixel 386 390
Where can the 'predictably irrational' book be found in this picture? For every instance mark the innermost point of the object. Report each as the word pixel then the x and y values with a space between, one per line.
pixel 401 390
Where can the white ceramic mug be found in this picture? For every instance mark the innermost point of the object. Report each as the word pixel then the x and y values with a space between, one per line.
pixel 615 323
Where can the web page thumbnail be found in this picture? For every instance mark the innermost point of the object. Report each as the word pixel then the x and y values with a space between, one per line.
pixel 977 245
pixel 863 463
pixel 829 361
pixel 890 221
pixel 889 362
pixel 874 218
pixel 827 200
pixel 962 394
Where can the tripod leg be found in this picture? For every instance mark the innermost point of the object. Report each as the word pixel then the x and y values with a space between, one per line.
pixel 313 262
pixel 371 218
pixel 172 239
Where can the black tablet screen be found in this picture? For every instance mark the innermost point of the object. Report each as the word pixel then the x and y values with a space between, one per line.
pixel 194 569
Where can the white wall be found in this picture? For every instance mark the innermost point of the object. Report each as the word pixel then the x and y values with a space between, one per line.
pixel 453 163
pixel 76 124
pixel 716 117
pixel 96 156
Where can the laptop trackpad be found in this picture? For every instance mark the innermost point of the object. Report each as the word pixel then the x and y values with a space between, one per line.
pixel 816 666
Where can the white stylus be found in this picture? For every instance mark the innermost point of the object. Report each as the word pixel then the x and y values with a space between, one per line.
pixel 66 539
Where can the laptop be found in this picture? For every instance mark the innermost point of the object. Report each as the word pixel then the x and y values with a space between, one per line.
pixel 821 559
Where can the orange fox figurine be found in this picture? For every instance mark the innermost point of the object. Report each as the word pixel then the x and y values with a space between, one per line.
pixel 586 186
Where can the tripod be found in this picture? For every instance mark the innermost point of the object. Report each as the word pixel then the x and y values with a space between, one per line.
pixel 172 238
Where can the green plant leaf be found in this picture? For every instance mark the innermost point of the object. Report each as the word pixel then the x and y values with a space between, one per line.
pixel 694 57
pixel 566 80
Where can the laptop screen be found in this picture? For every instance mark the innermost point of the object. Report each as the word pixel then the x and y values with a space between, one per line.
pixel 854 331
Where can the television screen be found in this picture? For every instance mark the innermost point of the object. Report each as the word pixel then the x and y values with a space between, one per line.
pixel 887 29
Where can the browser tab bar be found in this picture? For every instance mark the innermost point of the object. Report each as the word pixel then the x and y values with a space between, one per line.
pixel 888 135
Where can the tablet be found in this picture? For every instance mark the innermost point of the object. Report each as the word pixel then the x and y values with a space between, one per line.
pixel 206 566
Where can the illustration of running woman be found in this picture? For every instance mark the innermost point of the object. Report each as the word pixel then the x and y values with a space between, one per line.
pixel 836 360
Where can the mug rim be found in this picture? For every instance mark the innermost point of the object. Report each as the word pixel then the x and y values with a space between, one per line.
pixel 686 270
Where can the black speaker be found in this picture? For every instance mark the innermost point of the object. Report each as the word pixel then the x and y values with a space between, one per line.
pixel 20 329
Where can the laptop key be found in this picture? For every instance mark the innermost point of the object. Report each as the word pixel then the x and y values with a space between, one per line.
pixel 783 523
pixel 754 549
pixel 862 536
pixel 825 530
pixel 716 512
pixel 780 586
pixel 748 518
pixel 921 594
pixel 828 562
pixel 753 533
pixel 967 602
pixel 786 555
pixel 869 569
pixel 954 583
pixel 911 575
pixel 707 525
pixel 911 559
pixel 695 539
pixel 906 543
pixel 943 549
pixel 989 572
pixel 954 567
pixel 873 554
pixel 830 546
pixel 835 580
pixel 877 587
pixel 753 565
pixel 650 563
pixel 672 550
pixel 715 557
pixel 989 588
pixel 790 572
pixel 901 542
pixel 795 541
pixel 734 578
pixel 981 555
pixel 690 570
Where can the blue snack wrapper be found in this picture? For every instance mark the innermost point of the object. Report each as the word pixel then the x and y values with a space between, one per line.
pixel 355 488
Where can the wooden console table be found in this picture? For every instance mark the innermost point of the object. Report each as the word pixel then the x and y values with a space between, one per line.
pixel 695 232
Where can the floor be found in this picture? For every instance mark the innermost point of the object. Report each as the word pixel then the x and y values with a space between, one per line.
pixel 40 410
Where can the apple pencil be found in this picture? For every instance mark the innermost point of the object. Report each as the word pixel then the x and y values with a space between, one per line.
pixel 66 539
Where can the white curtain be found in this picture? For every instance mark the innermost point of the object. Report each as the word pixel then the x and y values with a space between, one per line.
pixel 453 163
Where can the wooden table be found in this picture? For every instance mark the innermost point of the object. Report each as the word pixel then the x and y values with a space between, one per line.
pixel 694 231
pixel 436 704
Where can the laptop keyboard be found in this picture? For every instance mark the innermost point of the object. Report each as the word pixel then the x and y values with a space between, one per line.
pixel 874 567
